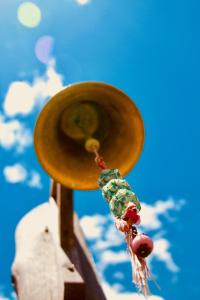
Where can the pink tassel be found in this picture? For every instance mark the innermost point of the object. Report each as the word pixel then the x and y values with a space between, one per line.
pixel 141 275
pixel 122 225
pixel 139 246
pixel 140 271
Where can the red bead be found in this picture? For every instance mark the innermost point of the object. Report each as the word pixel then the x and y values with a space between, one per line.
pixel 131 215
pixel 142 245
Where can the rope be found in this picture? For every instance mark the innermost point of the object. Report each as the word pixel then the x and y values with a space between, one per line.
pixel 99 160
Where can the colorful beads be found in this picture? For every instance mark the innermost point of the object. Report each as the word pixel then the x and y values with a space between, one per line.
pixel 107 175
pixel 112 187
pixel 117 192
pixel 124 205
pixel 120 201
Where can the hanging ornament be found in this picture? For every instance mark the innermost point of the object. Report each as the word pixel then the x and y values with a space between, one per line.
pixel 125 207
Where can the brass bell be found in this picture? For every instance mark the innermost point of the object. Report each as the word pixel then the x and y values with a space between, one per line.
pixel 77 113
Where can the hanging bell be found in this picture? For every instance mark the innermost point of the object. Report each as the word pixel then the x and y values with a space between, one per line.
pixel 79 112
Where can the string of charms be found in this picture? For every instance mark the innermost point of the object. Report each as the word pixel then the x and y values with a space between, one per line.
pixel 125 207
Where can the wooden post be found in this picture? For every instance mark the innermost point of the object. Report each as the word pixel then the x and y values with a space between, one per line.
pixel 64 201
pixel 82 283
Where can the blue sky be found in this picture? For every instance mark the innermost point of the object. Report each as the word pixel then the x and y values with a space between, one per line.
pixel 149 49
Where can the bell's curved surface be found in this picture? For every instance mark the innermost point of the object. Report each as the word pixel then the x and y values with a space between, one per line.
pixel 80 111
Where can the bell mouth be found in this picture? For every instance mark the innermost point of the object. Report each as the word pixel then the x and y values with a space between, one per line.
pixel 114 120
pixel 83 120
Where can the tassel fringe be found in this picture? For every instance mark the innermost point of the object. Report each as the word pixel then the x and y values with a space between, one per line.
pixel 140 270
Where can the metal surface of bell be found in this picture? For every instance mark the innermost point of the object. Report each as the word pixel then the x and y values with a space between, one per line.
pixel 79 112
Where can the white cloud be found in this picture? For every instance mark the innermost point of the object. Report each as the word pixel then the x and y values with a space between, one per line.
pixel 103 244
pixel 22 97
pixel 94 229
pixel 3 298
pixel 93 226
pixel 110 238
pixel 113 293
pixel 112 235
pixel 150 213
pixel 53 82
pixel 162 253
pixel 15 173
pixel 35 180
pixel 14 134
pixel 11 297
pixel 19 99
pixel 109 257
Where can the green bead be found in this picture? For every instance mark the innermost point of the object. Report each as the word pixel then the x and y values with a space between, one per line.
pixel 111 188
pixel 116 208
pixel 107 175
pixel 119 202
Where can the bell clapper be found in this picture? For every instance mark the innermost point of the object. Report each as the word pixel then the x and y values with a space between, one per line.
pixel 93 145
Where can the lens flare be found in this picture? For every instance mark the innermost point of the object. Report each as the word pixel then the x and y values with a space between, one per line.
pixel 83 2
pixel 29 14
pixel 43 48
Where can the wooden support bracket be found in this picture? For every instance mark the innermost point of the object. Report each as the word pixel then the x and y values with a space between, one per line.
pixel 81 281
pixel 74 283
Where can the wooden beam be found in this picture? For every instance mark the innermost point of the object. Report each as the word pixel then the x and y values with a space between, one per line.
pixel 82 283
pixel 53 189
pixel 93 290
pixel 74 283
pixel 65 205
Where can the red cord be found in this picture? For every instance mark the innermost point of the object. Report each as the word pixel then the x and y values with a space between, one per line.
pixel 99 160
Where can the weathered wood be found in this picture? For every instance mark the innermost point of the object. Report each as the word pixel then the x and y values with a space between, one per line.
pixel 74 291
pixel 74 285
pixel 64 199
pixel 74 245
pixel 86 267
pixel 53 189
pixel 41 268
pixel 37 266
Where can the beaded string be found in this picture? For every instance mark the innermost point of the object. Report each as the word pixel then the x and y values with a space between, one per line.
pixel 125 207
